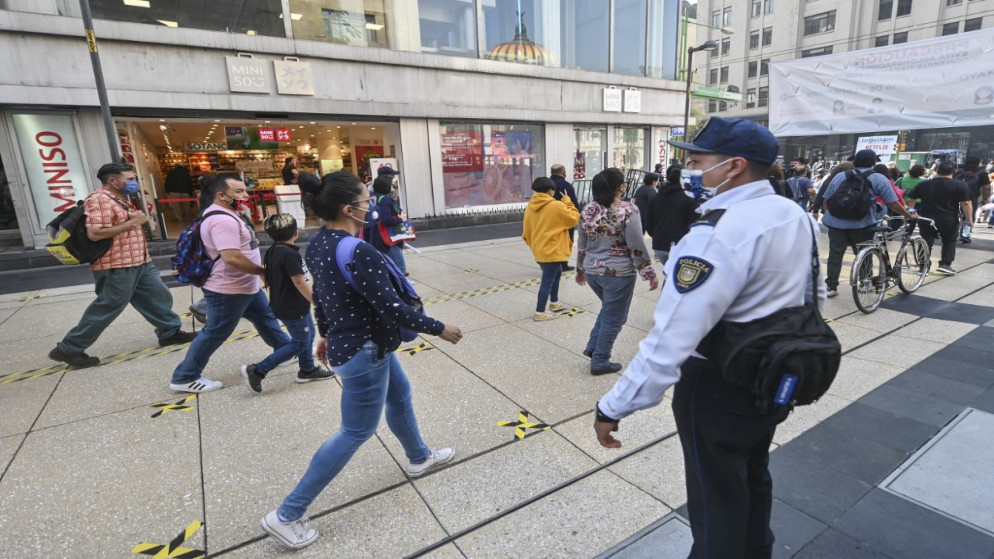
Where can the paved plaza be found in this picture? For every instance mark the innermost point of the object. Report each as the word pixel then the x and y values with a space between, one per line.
pixel 109 462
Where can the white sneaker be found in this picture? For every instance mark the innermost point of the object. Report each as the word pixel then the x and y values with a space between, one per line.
pixel 295 535
pixel 832 293
pixel 199 386
pixel 556 307
pixel 437 458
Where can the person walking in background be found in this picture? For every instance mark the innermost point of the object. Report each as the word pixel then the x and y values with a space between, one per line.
pixel 941 199
pixel 545 230
pixel 644 195
pixel 779 184
pixel 124 275
pixel 179 184
pixel 359 324
pixel 908 182
pixel 563 188
pixel 669 215
pixel 819 201
pixel 389 213
pixel 232 289
pixel 290 299
pixel 610 252
pixel 290 171
pixel 801 187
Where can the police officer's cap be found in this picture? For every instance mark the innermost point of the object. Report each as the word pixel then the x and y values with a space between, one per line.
pixel 736 137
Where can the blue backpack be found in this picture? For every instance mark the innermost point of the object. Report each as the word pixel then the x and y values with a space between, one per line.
pixel 345 254
pixel 192 264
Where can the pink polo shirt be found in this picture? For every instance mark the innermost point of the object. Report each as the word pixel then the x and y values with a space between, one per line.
pixel 223 233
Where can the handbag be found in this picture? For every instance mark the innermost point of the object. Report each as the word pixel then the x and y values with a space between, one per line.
pixel 788 358
pixel 395 234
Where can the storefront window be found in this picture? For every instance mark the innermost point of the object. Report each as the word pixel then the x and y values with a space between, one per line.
pixel 663 22
pixel 362 23
pixel 629 148
pixel 8 216
pixel 252 17
pixel 448 26
pixel 589 145
pixel 566 33
pixel 629 37
pixel 485 164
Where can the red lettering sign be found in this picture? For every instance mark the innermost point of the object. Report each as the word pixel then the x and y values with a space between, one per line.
pixel 267 135
pixel 282 134
pixel 55 169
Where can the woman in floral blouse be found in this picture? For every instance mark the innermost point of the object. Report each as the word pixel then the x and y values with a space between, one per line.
pixel 611 251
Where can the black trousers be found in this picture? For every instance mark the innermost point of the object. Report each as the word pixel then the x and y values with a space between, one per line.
pixel 726 450
pixel 949 233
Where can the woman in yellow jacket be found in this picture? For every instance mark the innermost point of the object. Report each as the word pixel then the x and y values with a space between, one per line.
pixel 546 231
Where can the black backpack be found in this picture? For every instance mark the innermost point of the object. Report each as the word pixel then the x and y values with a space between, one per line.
pixel 69 242
pixel 788 358
pixel 853 198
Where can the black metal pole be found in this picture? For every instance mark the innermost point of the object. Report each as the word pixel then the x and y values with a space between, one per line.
pixel 686 107
pixel 98 76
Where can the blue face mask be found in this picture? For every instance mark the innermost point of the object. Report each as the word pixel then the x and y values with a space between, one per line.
pixel 130 187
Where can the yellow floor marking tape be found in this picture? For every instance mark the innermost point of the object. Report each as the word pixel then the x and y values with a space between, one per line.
pixel 410 351
pixel 522 425
pixel 172 549
pixel 178 406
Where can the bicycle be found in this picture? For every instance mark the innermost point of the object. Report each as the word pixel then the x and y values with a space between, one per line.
pixel 872 273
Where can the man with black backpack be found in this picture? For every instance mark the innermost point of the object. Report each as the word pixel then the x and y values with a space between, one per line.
pixel 124 275
pixel 851 213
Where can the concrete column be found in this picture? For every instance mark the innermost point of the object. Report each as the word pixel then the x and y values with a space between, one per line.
pixel 415 160
pixel 559 147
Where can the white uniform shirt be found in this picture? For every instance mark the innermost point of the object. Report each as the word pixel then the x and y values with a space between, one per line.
pixel 754 262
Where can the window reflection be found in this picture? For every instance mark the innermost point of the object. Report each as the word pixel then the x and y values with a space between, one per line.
pixel 629 148
pixel 589 145
pixel 629 37
pixel 571 34
pixel 345 22
pixel 484 164
pixel 448 26
pixel 252 17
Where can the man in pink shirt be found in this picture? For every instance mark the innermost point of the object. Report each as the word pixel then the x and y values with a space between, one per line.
pixel 233 290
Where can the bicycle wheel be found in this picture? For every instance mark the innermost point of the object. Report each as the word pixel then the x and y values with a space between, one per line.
pixel 913 262
pixel 869 279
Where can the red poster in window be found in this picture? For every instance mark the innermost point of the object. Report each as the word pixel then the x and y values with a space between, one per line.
pixel 267 135
pixel 282 134
pixel 462 152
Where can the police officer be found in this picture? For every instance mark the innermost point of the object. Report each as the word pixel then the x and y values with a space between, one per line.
pixel 745 258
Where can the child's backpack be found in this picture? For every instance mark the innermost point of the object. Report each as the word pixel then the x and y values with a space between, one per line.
pixel 344 256
pixel 191 264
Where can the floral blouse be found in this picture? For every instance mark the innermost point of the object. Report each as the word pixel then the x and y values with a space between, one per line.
pixel 611 242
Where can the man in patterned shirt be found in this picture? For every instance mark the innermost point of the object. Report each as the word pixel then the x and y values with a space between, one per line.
pixel 124 275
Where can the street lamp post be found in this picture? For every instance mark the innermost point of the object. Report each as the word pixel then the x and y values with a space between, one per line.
pixel 709 45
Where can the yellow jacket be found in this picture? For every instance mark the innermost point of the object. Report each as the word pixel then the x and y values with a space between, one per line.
pixel 546 226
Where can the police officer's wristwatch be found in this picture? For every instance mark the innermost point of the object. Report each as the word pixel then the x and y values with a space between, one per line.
pixel 602 417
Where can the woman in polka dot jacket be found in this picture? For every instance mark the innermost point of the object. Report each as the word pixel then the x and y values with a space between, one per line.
pixel 359 334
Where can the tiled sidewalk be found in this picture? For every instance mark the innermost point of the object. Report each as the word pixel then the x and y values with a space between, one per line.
pixel 88 471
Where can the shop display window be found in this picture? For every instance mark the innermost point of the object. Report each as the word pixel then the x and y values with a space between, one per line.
pixel 363 23
pixel 629 148
pixel 251 17
pixel 589 145
pixel 486 164
pixel 629 33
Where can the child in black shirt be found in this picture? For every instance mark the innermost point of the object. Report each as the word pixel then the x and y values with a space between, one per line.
pixel 290 299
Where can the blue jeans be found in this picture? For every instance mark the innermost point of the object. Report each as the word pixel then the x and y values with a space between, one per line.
pixel 549 289
pixel 368 385
pixel 224 312
pixel 396 253
pixel 140 286
pixel 301 346
pixel 615 293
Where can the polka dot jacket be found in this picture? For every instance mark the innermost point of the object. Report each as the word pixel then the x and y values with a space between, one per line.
pixel 348 318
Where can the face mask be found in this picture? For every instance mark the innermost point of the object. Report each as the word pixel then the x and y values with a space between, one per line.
pixel 130 187
pixel 695 176
pixel 237 205
pixel 373 215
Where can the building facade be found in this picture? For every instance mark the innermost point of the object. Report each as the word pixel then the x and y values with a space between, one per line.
pixel 471 98
pixel 765 31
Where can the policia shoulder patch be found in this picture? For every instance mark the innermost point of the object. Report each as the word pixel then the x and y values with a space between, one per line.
pixel 690 273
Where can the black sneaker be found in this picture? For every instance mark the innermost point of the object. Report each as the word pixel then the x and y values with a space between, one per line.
pixel 317 373
pixel 180 337
pixel 74 360
pixel 197 315
pixel 611 368
pixel 252 379
pixel 588 354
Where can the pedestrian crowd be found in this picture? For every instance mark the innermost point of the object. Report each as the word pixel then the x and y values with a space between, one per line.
pixel 716 223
